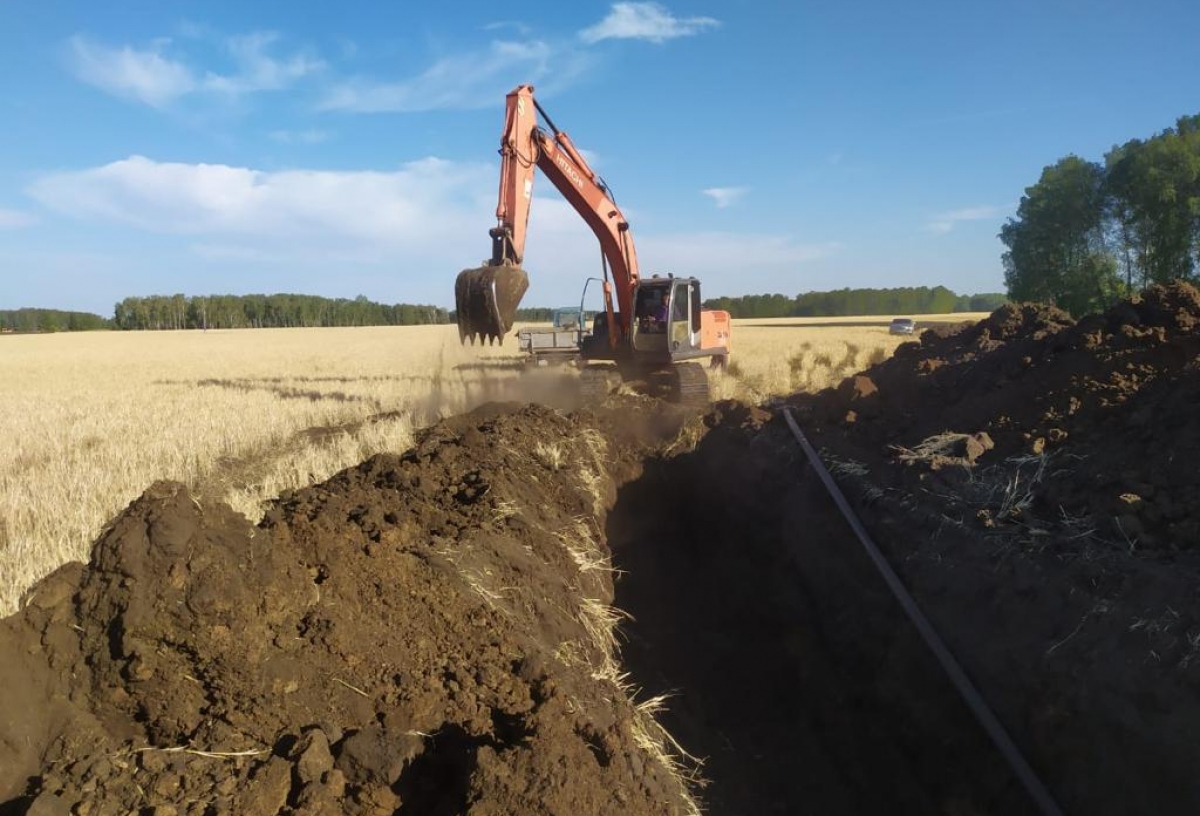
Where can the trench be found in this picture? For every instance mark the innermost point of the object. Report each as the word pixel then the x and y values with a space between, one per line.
pixel 793 674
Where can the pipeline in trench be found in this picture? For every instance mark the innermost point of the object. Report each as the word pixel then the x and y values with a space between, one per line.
pixel 792 672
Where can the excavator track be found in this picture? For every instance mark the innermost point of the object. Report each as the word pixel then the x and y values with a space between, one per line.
pixel 691 385
pixel 595 383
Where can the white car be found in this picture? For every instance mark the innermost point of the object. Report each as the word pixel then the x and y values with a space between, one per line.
pixel 902 325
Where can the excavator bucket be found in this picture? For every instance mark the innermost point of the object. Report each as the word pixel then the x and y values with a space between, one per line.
pixel 486 300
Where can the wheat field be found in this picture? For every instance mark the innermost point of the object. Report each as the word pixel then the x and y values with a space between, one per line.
pixel 784 355
pixel 91 419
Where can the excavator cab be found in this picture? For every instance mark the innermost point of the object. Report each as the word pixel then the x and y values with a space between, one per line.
pixel 667 317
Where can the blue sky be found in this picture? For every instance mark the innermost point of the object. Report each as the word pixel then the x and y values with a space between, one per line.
pixel 350 148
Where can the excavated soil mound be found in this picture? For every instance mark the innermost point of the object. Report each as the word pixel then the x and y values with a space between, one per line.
pixel 421 634
pixel 1108 405
pixel 1033 481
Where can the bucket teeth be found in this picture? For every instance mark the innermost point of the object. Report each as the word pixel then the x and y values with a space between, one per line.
pixel 486 300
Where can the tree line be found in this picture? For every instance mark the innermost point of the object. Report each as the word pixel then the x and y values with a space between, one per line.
pixel 267 311
pixel 1090 233
pixel 285 310
pixel 50 320
pixel 842 302
pixel 533 314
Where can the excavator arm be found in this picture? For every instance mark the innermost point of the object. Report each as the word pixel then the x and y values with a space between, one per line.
pixel 487 297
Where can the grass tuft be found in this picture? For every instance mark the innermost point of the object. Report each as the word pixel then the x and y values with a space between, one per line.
pixel 550 455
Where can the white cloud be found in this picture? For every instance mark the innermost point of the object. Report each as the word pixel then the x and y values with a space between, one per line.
pixel 475 79
pixel 945 222
pixel 144 76
pixel 413 228
pixel 520 28
pixel 417 206
pixel 725 196
pixel 480 77
pixel 257 70
pixel 645 21
pixel 15 219
pixel 152 77
pixel 307 137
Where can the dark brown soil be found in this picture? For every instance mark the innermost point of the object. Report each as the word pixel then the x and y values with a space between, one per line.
pixel 425 633
pixel 1054 533
pixel 1109 403
pixel 795 675
pixel 408 637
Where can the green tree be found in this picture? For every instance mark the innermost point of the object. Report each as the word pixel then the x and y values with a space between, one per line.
pixel 49 320
pixel 1056 244
pixel 263 311
pixel 903 300
pixel 985 302
pixel 1154 187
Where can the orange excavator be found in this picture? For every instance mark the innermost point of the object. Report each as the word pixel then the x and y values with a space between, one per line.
pixel 655 333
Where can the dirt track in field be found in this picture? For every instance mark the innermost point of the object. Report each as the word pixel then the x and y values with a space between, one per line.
pixel 430 633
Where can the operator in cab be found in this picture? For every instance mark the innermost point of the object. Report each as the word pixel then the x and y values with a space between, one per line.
pixel 662 313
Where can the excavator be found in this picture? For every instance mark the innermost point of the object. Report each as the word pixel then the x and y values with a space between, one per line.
pixel 655 334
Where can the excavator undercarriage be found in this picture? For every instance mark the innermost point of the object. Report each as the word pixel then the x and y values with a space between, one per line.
pixel 683 383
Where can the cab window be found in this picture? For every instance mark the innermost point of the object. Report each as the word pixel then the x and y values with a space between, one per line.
pixel 681 304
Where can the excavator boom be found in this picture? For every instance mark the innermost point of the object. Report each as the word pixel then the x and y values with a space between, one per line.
pixel 487 297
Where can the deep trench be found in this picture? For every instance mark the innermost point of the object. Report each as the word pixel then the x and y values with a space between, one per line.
pixel 792 672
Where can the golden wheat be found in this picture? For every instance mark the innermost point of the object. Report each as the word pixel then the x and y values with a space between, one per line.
pixel 92 419
pixel 784 355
